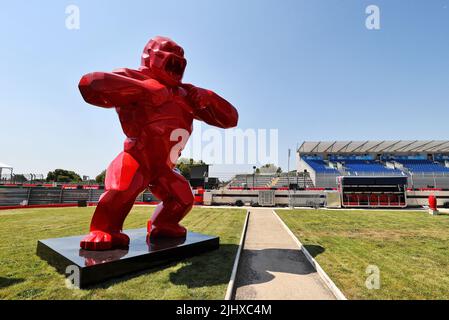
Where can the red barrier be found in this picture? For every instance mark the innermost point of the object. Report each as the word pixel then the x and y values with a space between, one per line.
pixel 198 196
pixel 433 202
pixel 65 205
pixel 426 189
pixel 32 206
pixel 91 187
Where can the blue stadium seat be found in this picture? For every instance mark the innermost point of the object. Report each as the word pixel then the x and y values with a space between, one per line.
pixel 368 166
pixel 320 166
pixel 423 166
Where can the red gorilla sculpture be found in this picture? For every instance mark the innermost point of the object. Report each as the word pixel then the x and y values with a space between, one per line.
pixel 152 105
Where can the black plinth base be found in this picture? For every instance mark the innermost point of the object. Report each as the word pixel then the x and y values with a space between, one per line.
pixel 93 267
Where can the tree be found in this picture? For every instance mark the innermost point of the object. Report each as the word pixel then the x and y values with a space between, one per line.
pixel 20 178
pixel 185 165
pixel 101 177
pixel 269 168
pixel 61 175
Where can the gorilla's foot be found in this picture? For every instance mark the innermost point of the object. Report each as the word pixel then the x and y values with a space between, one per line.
pixel 99 240
pixel 166 230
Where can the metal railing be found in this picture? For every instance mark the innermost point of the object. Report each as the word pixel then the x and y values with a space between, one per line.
pixel 16 196
pixel 31 178
pixel 373 173
pixel 428 179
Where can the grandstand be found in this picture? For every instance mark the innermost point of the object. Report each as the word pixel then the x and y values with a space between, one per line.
pixel 251 181
pixel 361 167
pixel 271 181
pixel 319 165
pixel 422 166
pixel 425 163
pixel 300 179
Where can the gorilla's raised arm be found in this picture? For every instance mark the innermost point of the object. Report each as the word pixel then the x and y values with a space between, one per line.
pixel 108 90
pixel 211 108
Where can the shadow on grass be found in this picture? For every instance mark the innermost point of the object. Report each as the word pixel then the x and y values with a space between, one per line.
pixel 6 282
pixel 258 266
pixel 314 249
pixel 443 213
pixel 207 269
pixel 213 268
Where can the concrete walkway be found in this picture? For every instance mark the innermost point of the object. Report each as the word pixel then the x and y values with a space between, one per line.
pixel 272 266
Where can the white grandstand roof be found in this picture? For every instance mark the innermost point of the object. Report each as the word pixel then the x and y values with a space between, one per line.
pixel 5 166
pixel 371 146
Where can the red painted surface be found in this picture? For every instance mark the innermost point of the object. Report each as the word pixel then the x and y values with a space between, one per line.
pixel 199 196
pixel 156 111
pixel 69 187
pixel 426 189
pixel 64 205
pixel 52 205
pixel 91 187
pixel 279 188
pixel 432 202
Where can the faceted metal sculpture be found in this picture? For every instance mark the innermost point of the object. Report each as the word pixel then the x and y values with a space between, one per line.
pixel 156 111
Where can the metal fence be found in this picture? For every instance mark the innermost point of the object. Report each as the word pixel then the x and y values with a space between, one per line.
pixel 7 178
pixel 373 173
pixel 326 180
pixel 14 196
pixel 306 200
pixel 428 179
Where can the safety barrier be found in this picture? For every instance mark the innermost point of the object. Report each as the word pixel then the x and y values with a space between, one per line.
pixel 13 196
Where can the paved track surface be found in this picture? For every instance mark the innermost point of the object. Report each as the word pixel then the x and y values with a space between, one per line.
pixel 273 267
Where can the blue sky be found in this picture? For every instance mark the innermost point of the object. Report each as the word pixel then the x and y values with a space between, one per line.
pixel 308 68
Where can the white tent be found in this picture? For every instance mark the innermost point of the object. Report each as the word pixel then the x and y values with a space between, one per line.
pixel 4 166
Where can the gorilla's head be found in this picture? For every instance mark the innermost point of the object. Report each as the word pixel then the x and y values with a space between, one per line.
pixel 165 59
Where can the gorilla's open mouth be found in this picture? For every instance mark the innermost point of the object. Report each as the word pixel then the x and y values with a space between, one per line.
pixel 175 67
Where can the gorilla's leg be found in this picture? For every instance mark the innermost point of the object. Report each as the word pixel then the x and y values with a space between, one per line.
pixel 177 200
pixel 110 213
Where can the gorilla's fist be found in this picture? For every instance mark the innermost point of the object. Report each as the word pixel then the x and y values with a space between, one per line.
pixel 200 98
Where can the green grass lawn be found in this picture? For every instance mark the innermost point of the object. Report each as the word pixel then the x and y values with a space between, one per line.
pixel 25 276
pixel 411 250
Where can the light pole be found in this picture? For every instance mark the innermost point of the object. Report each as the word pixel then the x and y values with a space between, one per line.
pixel 254 175
pixel 304 178
pixel 288 179
pixel 288 168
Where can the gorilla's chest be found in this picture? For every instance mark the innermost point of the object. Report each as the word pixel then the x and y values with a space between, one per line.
pixel 175 113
